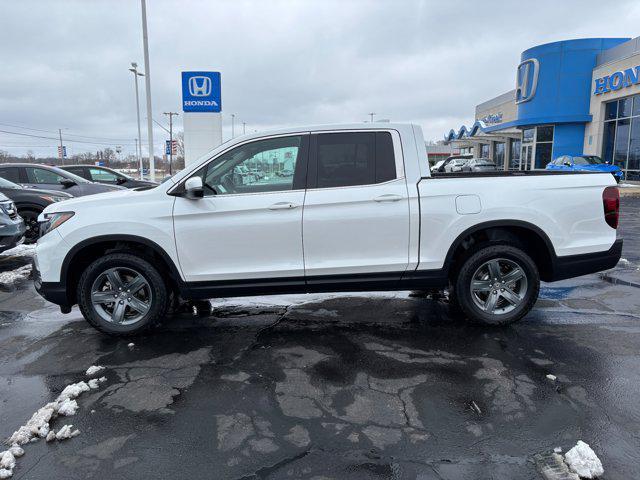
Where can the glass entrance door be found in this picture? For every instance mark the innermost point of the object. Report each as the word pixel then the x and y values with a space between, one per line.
pixel 526 156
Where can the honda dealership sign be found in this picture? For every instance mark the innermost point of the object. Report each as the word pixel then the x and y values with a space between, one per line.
pixel 527 80
pixel 201 92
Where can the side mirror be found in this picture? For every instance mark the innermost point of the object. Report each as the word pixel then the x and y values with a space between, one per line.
pixel 121 180
pixel 193 188
pixel 66 183
pixel 567 164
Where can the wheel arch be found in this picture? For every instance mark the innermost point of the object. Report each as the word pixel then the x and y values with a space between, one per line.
pixel 88 250
pixel 534 241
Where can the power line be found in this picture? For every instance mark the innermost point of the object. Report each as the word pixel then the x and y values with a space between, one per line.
pixel 68 140
pixel 66 134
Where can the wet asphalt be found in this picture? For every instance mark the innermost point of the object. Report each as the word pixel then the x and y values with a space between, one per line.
pixel 342 386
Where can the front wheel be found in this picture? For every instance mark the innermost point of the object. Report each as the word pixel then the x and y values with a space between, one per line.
pixel 497 285
pixel 32 232
pixel 122 294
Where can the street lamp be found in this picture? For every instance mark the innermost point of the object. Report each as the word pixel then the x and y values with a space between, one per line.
pixel 136 74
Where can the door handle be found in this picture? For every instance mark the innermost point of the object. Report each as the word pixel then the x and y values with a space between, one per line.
pixel 283 206
pixel 389 197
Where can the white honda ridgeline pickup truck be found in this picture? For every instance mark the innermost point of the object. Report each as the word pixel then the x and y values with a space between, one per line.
pixel 335 208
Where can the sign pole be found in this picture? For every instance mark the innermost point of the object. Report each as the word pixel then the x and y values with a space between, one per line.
pixel 61 146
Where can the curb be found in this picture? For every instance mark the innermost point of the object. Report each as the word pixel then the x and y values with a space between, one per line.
pixel 618 281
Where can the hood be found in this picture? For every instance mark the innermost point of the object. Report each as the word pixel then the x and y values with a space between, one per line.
pixel 88 200
pixel 53 193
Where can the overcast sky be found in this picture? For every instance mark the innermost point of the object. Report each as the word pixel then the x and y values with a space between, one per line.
pixel 65 63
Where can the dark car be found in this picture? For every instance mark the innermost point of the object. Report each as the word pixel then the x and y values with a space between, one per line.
pixel 107 176
pixel 11 224
pixel 33 175
pixel 479 165
pixel 30 203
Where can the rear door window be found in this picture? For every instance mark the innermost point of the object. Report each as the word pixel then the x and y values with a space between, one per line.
pixel 42 176
pixel 353 158
pixel 11 173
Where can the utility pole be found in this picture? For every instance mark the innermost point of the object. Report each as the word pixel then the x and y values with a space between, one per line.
pixel 244 127
pixel 372 114
pixel 233 120
pixel 61 146
pixel 136 74
pixel 170 114
pixel 145 42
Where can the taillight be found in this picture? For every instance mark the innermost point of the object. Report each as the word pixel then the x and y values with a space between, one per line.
pixel 611 204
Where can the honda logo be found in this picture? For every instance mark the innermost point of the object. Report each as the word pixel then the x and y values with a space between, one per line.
pixel 199 86
pixel 527 80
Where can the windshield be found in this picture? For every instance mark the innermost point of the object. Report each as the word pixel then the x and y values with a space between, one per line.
pixel 587 160
pixel 7 184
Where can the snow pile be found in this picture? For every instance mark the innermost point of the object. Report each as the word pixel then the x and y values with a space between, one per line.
pixel 131 345
pixel 38 425
pixel 583 460
pixel 21 251
pixel 65 433
pixel 13 276
pixel 93 369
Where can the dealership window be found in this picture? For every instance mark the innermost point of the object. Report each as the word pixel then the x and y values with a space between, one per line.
pixel 484 150
pixel 498 157
pixel 544 146
pixel 514 160
pixel 621 135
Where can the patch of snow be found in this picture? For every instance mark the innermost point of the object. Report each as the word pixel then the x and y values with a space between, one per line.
pixel 93 369
pixel 4 473
pixel 51 436
pixel 13 276
pixel 583 460
pixel 131 345
pixel 21 251
pixel 551 377
pixel 93 383
pixel 73 390
pixel 7 460
pixel 16 450
pixel 68 407
pixel 102 379
pixel 65 433
pixel 557 450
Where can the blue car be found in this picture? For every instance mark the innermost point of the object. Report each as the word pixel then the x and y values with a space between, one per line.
pixel 587 163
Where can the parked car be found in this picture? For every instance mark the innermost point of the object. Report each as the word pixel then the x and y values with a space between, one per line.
pixel 30 203
pixel 46 177
pixel 12 226
pixel 107 176
pixel 458 159
pixel 585 163
pixel 456 165
pixel 436 166
pixel 366 216
pixel 478 165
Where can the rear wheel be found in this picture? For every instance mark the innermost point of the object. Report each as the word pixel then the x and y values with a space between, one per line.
pixel 122 294
pixel 497 285
pixel 30 218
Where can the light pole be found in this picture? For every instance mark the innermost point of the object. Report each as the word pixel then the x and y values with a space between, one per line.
pixel 233 121
pixel 244 127
pixel 136 74
pixel 61 146
pixel 170 114
pixel 372 114
pixel 145 43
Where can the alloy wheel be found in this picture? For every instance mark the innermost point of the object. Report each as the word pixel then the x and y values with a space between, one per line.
pixel 499 286
pixel 121 296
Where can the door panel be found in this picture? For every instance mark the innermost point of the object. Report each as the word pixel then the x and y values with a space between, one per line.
pixel 249 224
pixel 234 237
pixel 359 223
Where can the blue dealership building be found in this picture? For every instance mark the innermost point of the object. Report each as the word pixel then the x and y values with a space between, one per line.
pixel 571 97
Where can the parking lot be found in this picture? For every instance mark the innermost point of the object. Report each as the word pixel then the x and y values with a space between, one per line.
pixel 333 386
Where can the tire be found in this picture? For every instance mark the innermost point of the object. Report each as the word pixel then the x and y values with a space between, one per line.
pixel 500 302
pixel 122 320
pixel 30 218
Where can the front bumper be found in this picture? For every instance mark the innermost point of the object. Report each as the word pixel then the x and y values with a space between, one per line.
pixel 11 233
pixel 54 292
pixel 576 265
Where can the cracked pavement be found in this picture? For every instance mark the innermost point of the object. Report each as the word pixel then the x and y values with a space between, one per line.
pixel 340 387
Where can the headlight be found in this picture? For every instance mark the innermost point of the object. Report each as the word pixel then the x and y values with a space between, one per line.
pixel 52 198
pixel 53 221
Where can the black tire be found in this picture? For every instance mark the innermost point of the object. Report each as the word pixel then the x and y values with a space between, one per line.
pixel 30 217
pixel 159 303
pixel 468 302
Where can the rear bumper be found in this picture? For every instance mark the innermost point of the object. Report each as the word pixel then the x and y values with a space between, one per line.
pixel 575 265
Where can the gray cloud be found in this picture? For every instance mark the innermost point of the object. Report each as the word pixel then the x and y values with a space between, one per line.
pixel 282 62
